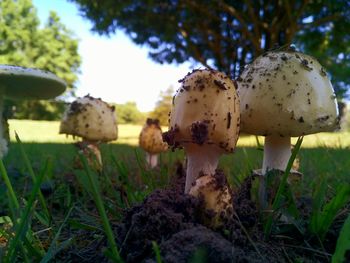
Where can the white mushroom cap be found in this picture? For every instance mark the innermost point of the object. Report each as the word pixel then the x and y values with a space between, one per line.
pixel 91 119
pixel 205 111
pixel 286 94
pixel 18 82
pixel 151 139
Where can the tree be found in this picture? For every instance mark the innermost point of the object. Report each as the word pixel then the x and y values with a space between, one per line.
pixel 226 34
pixel 163 106
pixel 52 47
pixel 129 113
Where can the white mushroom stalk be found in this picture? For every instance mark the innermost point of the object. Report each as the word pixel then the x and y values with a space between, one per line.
pixel 94 121
pixel 285 94
pixel 3 141
pixel 151 141
pixel 152 159
pixel 201 160
pixel 25 83
pixel 204 120
pixel 277 152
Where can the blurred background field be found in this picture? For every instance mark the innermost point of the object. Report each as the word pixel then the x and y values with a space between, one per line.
pixel 47 132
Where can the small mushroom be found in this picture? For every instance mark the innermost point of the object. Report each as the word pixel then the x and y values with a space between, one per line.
pixel 285 94
pixel 94 121
pixel 151 141
pixel 217 198
pixel 25 83
pixel 204 120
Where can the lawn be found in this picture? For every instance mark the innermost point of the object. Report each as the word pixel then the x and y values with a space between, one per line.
pixel 47 132
pixel 323 154
pixel 126 180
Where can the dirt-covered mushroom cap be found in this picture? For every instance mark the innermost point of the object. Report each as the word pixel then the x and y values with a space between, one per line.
pixel 205 111
pixel 286 94
pixel 91 119
pixel 28 83
pixel 151 139
pixel 216 194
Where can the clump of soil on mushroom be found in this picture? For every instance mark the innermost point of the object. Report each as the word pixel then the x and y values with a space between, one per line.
pixel 173 220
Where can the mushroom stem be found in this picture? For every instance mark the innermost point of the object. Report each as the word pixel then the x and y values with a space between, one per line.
pixel 277 151
pixel 201 160
pixel 152 159
pixel 3 141
pixel 92 152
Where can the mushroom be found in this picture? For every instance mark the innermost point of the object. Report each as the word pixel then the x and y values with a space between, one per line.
pixel 25 83
pixel 151 141
pixel 217 197
pixel 285 94
pixel 94 121
pixel 204 120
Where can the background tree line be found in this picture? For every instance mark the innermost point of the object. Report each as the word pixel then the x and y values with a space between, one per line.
pixel 52 47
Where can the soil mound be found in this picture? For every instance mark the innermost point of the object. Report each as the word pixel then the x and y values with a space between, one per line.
pixel 173 220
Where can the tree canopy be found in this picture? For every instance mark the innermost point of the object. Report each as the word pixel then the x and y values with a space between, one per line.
pixel 129 113
pixel 51 47
pixel 226 34
pixel 163 106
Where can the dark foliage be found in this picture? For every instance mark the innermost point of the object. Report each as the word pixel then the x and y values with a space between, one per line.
pixel 227 34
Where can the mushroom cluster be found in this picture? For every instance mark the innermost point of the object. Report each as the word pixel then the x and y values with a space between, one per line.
pixel 285 94
pixel 25 83
pixel 94 121
pixel 151 141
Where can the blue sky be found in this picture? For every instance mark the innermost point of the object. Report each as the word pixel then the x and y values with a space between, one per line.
pixel 113 68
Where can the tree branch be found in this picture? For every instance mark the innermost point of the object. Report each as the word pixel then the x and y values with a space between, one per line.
pixel 256 22
pixel 320 21
pixel 245 30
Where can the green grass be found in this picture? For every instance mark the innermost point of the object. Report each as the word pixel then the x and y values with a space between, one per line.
pixel 75 206
pixel 47 131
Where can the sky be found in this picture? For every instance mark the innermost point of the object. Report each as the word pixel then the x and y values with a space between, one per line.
pixel 113 68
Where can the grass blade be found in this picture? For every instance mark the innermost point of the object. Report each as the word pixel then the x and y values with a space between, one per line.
pixel 281 188
pixel 318 199
pixel 95 191
pixel 54 248
pixel 156 251
pixel 343 243
pixel 11 192
pixel 332 208
pixel 22 226
pixel 34 178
